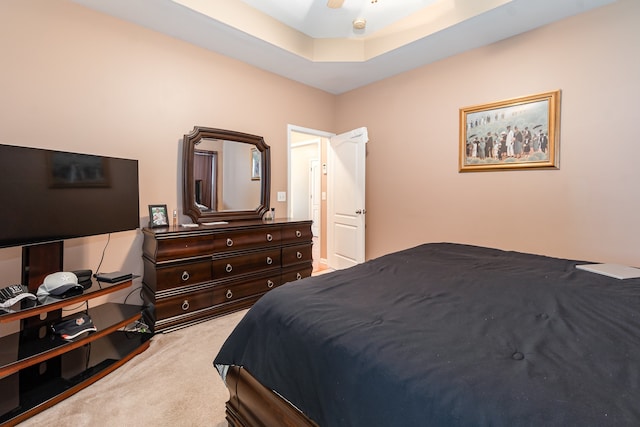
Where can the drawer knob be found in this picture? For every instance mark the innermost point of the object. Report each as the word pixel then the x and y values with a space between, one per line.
pixel 269 237
pixel 185 305
pixel 298 276
pixel 229 242
pixel 298 233
pixel 185 276
pixel 229 268
pixel 299 255
pixel 269 260
pixel 270 284
pixel 229 294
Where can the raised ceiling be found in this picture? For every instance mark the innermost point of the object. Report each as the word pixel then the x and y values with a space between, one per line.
pixel 308 42
pixel 316 20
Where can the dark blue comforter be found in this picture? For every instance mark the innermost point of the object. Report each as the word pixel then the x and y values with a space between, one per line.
pixel 449 335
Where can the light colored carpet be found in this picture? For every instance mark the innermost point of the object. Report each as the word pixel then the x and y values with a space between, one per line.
pixel 172 383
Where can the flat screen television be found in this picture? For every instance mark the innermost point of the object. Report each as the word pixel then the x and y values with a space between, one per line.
pixel 48 196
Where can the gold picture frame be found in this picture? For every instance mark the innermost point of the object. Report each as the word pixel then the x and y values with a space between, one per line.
pixel 519 133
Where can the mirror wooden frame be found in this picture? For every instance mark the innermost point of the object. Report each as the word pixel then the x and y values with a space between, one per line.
pixel 190 141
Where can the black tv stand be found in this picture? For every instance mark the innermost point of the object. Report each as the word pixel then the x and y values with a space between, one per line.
pixel 40 260
pixel 39 369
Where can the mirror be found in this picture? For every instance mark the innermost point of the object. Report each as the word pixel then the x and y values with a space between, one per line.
pixel 226 175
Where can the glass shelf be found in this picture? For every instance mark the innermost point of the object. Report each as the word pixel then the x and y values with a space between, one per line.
pixel 39 369
pixel 17 354
pixel 27 308
pixel 107 354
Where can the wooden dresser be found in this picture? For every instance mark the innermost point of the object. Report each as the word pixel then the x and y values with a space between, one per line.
pixel 193 274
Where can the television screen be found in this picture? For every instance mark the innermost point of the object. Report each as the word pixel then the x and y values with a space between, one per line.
pixel 48 195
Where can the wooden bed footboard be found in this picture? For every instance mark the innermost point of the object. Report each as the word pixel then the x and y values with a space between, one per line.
pixel 252 405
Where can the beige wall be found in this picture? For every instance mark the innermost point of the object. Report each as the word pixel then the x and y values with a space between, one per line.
pixel 77 80
pixel 587 209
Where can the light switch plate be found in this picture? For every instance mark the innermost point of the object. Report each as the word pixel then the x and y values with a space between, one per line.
pixel 282 196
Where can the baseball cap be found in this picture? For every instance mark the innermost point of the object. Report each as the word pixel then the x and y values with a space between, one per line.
pixel 71 328
pixel 62 284
pixel 10 295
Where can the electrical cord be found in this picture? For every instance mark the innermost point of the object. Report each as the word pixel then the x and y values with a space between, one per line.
pixel 85 303
pixel 136 328
pixel 88 346
pixel 132 291
pixel 104 250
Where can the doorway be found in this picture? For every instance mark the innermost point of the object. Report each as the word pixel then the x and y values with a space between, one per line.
pixel 307 185
pixel 339 235
pixel 205 167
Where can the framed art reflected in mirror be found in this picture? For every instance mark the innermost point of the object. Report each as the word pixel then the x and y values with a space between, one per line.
pixel 256 166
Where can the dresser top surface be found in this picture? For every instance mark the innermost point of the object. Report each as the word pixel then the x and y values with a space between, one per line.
pixel 179 230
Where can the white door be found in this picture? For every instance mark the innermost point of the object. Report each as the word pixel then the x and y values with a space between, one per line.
pixel 314 199
pixel 346 207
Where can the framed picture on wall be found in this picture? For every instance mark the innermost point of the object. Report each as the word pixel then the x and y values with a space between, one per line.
pixel 256 166
pixel 519 133
pixel 158 216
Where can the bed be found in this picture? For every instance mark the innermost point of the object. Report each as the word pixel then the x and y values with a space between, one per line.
pixel 442 334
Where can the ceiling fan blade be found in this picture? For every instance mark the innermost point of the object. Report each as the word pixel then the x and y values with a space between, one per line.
pixel 335 4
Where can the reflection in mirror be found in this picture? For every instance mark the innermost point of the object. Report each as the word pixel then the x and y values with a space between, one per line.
pixel 226 175
pixel 216 173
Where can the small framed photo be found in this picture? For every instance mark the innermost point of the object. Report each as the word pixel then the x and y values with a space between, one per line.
pixel 158 216
pixel 519 133
pixel 256 166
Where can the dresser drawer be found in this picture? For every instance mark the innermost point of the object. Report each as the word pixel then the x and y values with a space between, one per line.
pixel 247 239
pixel 236 290
pixel 296 233
pixel 184 304
pixel 296 254
pixel 161 250
pixel 247 263
pixel 160 278
pixel 296 273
